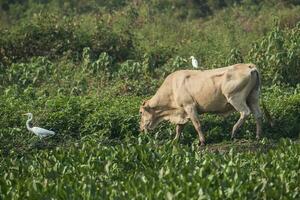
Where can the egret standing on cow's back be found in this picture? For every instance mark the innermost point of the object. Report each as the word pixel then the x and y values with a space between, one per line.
pixel 194 62
pixel 37 130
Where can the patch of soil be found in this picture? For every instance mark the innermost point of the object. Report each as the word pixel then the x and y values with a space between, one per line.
pixel 240 145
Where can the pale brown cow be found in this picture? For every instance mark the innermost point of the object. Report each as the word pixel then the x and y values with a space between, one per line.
pixel 186 93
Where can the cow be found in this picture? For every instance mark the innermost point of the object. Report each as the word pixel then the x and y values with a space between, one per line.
pixel 185 94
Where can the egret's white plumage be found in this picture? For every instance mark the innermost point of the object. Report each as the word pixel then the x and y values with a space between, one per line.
pixel 41 132
pixel 194 62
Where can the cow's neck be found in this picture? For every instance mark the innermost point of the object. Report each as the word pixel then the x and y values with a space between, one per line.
pixel 158 101
pixel 161 107
pixel 166 112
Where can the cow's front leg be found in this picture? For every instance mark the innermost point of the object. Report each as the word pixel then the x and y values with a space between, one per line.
pixel 193 115
pixel 179 128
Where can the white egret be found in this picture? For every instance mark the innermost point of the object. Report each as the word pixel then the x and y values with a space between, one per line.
pixel 194 62
pixel 37 130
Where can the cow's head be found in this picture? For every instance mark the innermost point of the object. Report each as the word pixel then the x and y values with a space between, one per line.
pixel 149 119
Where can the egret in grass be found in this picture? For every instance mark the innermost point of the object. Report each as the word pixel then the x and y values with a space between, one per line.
pixel 194 62
pixel 41 132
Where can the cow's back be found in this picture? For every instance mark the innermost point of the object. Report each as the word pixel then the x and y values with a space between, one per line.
pixel 210 89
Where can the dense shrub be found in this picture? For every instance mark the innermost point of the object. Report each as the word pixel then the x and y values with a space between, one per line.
pixel 43 36
pixel 114 119
pixel 284 107
pixel 117 117
pixel 33 73
pixel 48 35
pixel 146 170
pixel 278 56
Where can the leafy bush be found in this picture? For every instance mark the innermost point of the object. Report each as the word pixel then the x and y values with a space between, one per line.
pixel 34 72
pixel 278 55
pixel 284 105
pixel 45 35
pixel 117 117
pixel 130 70
pixel 114 119
pixel 139 169
pixel 48 35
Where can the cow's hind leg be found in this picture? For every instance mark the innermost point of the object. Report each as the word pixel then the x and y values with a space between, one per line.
pixel 193 115
pixel 253 102
pixel 243 109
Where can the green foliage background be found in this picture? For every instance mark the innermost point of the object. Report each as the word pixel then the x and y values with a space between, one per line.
pixel 84 67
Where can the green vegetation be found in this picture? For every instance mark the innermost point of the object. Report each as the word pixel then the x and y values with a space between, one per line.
pixel 84 67
pixel 149 170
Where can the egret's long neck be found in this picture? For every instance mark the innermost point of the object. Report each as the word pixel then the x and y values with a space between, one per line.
pixel 27 123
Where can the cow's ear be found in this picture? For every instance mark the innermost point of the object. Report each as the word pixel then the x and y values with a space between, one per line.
pixel 146 106
pixel 144 102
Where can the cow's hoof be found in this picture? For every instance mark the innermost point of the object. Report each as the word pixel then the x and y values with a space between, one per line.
pixel 234 139
pixel 201 144
pixel 232 136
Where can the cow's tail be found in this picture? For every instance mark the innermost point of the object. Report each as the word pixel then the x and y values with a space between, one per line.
pixel 254 71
